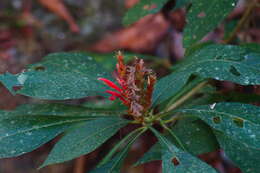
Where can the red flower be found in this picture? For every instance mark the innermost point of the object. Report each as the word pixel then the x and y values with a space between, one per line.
pixel 135 86
pixel 114 94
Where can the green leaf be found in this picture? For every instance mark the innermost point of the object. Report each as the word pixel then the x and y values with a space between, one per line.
pixel 186 162
pixel 60 76
pixel 153 154
pixel 30 126
pixel 220 62
pixel 115 164
pixel 141 9
pixel 225 62
pixel 169 86
pixel 203 17
pixel 243 156
pixel 196 136
pixel 238 121
pixel 84 139
pixel 58 109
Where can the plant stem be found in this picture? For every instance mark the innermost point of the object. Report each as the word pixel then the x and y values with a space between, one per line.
pixel 242 21
pixel 186 97
pixel 184 91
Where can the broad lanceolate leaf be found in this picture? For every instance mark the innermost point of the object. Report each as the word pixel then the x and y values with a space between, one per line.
pixel 141 9
pixel 243 156
pixel 220 62
pixel 84 139
pixel 59 76
pixel 30 126
pixel 203 17
pixel 238 121
pixel 178 161
pixel 114 165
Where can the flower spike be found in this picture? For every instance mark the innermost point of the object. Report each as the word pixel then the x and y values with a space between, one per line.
pixel 135 86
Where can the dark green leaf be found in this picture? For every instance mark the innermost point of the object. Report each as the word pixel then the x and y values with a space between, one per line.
pixel 185 161
pixel 84 139
pixel 225 63
pixel 65 110
pixel 220 62
pixel 195 135
pixel 203 17
pixel 30 126
pixel 169 86
pixel 141 9
pixel 60 76
pixel 243 156
pixel 238 121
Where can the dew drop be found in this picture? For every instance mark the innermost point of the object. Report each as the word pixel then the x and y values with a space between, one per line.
pixel 212 106
pixel 252 136
pixel 246 81
pixel 29 133
pixel 22 78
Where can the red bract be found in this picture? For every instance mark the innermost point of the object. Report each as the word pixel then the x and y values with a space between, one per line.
pixel 135 88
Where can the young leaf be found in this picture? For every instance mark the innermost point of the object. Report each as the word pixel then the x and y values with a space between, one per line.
pixel 60 76
pixel 243 156
pixel 115 164
pixel 203 17
pixel 141 9
pixel 238 121
pixel 176 160
pixel 28 127
pixel 84 139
